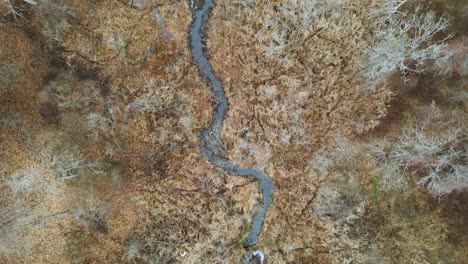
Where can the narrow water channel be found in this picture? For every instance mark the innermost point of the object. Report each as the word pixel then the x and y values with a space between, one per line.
pixel 211 144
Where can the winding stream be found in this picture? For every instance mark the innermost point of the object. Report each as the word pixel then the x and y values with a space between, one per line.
pixel 211 144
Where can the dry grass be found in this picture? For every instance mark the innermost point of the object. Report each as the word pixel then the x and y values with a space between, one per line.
pixel 291 79
pixel 291 72
pixel 134 100
pixel 302 89
pixel 128 95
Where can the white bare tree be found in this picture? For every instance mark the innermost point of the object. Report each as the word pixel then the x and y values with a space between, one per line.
pixel 404 42
pixel 439 158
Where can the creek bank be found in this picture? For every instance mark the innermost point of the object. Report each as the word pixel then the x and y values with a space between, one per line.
pixel 211 143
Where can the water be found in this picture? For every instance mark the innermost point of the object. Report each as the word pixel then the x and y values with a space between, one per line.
pixel 210 141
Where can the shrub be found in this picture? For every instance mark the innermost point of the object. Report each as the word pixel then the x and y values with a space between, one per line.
pixel 457 60
pixel 392 176
pixel 145 103
pixel 461 96
pixel 387 9
pixel 72 164
pixel 13 8
pixel 99 124
pixel 66 166
pixel 4 79
pixel 10 9
pixel 26 179
pixel 50 112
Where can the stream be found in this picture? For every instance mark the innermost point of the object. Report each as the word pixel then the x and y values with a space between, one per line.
pixel 211 143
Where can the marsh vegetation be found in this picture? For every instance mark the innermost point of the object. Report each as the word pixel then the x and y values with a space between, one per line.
pixel 356 110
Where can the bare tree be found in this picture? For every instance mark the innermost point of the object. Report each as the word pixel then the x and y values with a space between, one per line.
pixel 440 159
pixel 404 42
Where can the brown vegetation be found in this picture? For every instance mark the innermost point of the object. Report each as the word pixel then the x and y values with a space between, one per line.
pixel 101 111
